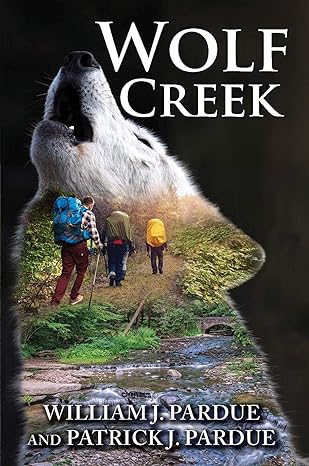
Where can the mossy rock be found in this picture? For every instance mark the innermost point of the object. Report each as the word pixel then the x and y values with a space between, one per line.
pixel 264 401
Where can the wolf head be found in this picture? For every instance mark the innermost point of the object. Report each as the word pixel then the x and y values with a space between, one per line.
pixel 85 145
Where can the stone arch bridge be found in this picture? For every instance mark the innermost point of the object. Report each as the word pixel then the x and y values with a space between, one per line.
pixel 207 323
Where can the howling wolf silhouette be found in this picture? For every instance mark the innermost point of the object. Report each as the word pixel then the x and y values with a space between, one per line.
pixel 84 145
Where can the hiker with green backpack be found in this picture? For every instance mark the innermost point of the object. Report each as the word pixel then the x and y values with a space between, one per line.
pixel 156 243
pixel 74 223
pixel 119 245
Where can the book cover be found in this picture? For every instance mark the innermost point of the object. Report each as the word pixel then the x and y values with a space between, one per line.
pixel 154 216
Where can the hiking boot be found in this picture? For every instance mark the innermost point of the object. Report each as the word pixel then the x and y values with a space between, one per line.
pixel 77 300
pixel 118 283
pixel 111 280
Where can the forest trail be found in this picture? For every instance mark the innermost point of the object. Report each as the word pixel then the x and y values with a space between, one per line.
pixel 139 281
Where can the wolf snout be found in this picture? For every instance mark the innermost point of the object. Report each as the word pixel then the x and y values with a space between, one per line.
pixel 79 61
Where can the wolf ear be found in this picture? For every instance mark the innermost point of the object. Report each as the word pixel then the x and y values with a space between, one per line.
pixel 148 138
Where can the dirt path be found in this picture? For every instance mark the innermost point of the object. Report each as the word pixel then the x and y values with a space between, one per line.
pixel 139 281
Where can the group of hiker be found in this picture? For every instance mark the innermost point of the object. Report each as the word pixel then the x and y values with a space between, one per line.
pixel 74 223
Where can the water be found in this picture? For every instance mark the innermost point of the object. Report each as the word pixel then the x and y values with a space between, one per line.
pixel 155 379
pixel 143 378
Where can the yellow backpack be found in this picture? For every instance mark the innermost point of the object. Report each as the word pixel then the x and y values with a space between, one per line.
pixel 156 235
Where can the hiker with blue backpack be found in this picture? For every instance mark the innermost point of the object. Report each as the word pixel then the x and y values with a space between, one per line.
pixel 74 223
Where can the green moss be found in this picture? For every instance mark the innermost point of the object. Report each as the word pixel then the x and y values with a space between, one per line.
pixel 264 402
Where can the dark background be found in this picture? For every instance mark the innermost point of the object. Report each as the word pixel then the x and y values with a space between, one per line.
pixel 256 170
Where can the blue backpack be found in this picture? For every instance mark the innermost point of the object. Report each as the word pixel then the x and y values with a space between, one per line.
pixel 68 214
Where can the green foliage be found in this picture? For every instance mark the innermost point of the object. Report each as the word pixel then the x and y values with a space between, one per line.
pixel 40 258
pixel 63 462
pixel 28 350
pixel 242 336
pixel 219 257
pixel 198 307
pixel 68 325
pixel 177 322
pixel 100 350
pixel 202 308
pixel 247 365
pixel 182 319
pixel 140 339
pixel 27 399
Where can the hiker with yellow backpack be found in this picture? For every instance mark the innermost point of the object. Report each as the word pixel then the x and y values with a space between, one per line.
pixel 156 243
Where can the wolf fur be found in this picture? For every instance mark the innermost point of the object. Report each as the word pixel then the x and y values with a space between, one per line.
pixel 123 160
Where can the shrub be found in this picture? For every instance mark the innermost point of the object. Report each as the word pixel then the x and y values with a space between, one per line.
pixel 177 322
pixel 183 319
pixel 70 325
pixel 202 308
pixel 140 339
pixel 242 335
pixel 28 350
pixel 100 350
pixel 40 256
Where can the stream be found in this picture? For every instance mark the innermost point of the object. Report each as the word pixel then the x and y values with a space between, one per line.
pixel 182 371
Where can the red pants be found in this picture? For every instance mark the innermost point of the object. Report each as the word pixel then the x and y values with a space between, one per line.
pixel 75 255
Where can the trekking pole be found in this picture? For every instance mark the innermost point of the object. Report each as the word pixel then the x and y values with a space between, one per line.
pixel 90 253
pixel 94 279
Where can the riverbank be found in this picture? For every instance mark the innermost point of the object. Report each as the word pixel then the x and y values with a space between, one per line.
pixel 191 370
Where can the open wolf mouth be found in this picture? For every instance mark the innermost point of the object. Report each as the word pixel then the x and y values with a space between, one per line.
pixel 67 110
